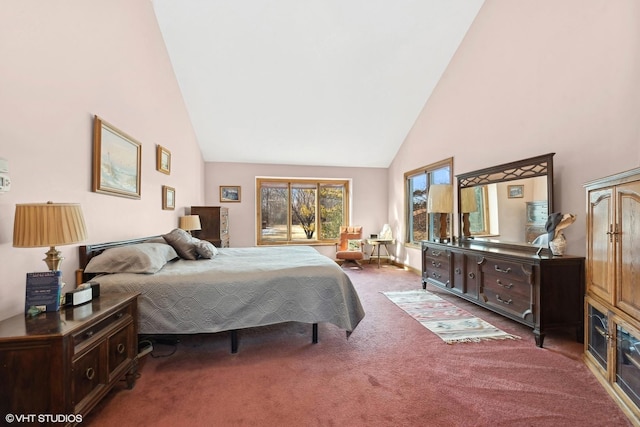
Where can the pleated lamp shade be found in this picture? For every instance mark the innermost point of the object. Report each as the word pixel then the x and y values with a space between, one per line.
pixel 48 224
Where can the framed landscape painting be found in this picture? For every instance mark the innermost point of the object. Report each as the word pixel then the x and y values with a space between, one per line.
pixel 163 160
pixel 116 161
pixel 168 198
pixel 229 193
pixel 515 191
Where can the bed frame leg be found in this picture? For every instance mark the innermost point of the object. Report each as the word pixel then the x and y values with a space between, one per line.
pixel 234 341
pixel 314 334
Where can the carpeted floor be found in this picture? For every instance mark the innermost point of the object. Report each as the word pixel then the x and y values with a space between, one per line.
pixel 391 372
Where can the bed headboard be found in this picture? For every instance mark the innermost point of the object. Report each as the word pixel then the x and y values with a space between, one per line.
pixel 87 252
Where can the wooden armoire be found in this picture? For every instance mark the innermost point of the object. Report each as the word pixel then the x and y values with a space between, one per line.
pixel 214 221
pixel 612 323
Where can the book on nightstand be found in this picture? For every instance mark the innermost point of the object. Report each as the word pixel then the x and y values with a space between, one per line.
pixel 43 291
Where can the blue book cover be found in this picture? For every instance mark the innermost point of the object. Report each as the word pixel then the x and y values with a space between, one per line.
pixel 43 290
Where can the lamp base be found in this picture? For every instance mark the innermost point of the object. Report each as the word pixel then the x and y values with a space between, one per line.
pixel 53 259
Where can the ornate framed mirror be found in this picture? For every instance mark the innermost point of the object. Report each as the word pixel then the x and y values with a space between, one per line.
pixel 506 204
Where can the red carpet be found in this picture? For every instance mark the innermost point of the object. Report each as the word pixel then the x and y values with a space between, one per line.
pixel 391 372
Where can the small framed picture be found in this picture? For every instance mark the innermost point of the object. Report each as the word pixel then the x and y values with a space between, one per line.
pixel 515 191
pixel 163 160
pixel 229 193
pixel 168 198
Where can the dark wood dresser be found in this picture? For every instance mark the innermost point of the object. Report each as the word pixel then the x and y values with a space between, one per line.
pixel 215 225
pixel 543 292
pixel 62 363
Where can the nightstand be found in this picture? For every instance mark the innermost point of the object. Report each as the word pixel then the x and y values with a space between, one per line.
pixel 64 362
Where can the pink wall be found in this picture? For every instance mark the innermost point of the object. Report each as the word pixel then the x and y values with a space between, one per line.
pixel 368 189
pixel 533 77
pixel 61 64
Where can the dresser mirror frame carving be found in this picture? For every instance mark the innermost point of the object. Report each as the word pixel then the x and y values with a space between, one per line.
pixel 520 172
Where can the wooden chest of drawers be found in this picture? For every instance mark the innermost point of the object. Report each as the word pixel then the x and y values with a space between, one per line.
pixel 542 292
pixel 64 362
pixel 215 224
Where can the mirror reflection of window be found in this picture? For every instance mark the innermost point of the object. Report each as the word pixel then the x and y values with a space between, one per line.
pixel 484 221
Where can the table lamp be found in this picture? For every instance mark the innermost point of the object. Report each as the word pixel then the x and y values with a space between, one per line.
pixel 468 204
pixel 440 201
pixel 48 224
pixel 190 222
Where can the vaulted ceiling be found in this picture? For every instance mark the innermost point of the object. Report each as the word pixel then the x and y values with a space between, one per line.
pixel 309 82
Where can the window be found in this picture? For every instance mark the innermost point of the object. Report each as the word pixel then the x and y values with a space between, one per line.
pixel 479 219
pixel 301 211
pixel 419 224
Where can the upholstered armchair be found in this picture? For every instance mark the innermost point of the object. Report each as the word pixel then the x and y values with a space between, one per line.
pixel 350 249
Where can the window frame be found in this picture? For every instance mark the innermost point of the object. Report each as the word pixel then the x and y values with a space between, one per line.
pixel 408 202
pixel 290 183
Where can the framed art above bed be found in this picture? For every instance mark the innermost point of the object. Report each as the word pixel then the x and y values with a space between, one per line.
pixel 116 161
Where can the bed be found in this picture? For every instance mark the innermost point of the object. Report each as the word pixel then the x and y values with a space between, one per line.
pixel 234 289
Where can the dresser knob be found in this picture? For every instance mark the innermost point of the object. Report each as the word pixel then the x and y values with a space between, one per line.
pixel 458 271
pixel 472 275
pixel 90 373
pixel 121 348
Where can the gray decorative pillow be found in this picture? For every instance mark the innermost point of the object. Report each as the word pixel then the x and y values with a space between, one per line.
pixel 138 258
pixel 205 249
pixel 183 243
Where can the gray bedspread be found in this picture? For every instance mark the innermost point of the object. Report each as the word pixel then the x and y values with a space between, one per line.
pixel 241 288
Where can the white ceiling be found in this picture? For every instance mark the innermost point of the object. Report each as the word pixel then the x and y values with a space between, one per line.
pixel 309 82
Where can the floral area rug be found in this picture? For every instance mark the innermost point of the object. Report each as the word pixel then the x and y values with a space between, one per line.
pixel 450 323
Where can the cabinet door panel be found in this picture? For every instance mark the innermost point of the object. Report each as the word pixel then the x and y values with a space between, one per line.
pixel 628 265
pixel 599 247
pixel 458 274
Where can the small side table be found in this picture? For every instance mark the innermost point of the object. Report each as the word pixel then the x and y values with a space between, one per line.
pixel 376 244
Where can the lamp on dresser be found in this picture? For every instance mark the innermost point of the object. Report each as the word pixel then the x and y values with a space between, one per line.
pixel 190 222
pixel 48 224
pixel 440 201
pixel 468 204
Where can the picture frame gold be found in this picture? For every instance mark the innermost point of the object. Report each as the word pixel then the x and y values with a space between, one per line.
pixel 515 191
pixel 117 159
pixel 168 198
pixel 230 193
pixel 163 160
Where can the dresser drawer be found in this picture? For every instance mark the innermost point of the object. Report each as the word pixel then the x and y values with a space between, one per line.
pixel 503 284
pixel 88 377
pixel 508 286
pixel 86 337
pixel 508 271
pixel 121 350
pixel 437 265
pixel 537 212
pixel 509 302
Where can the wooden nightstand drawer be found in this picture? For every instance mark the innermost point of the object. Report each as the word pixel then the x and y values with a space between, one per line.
pixel 88 376
pixel 121 350
pixel 86 337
